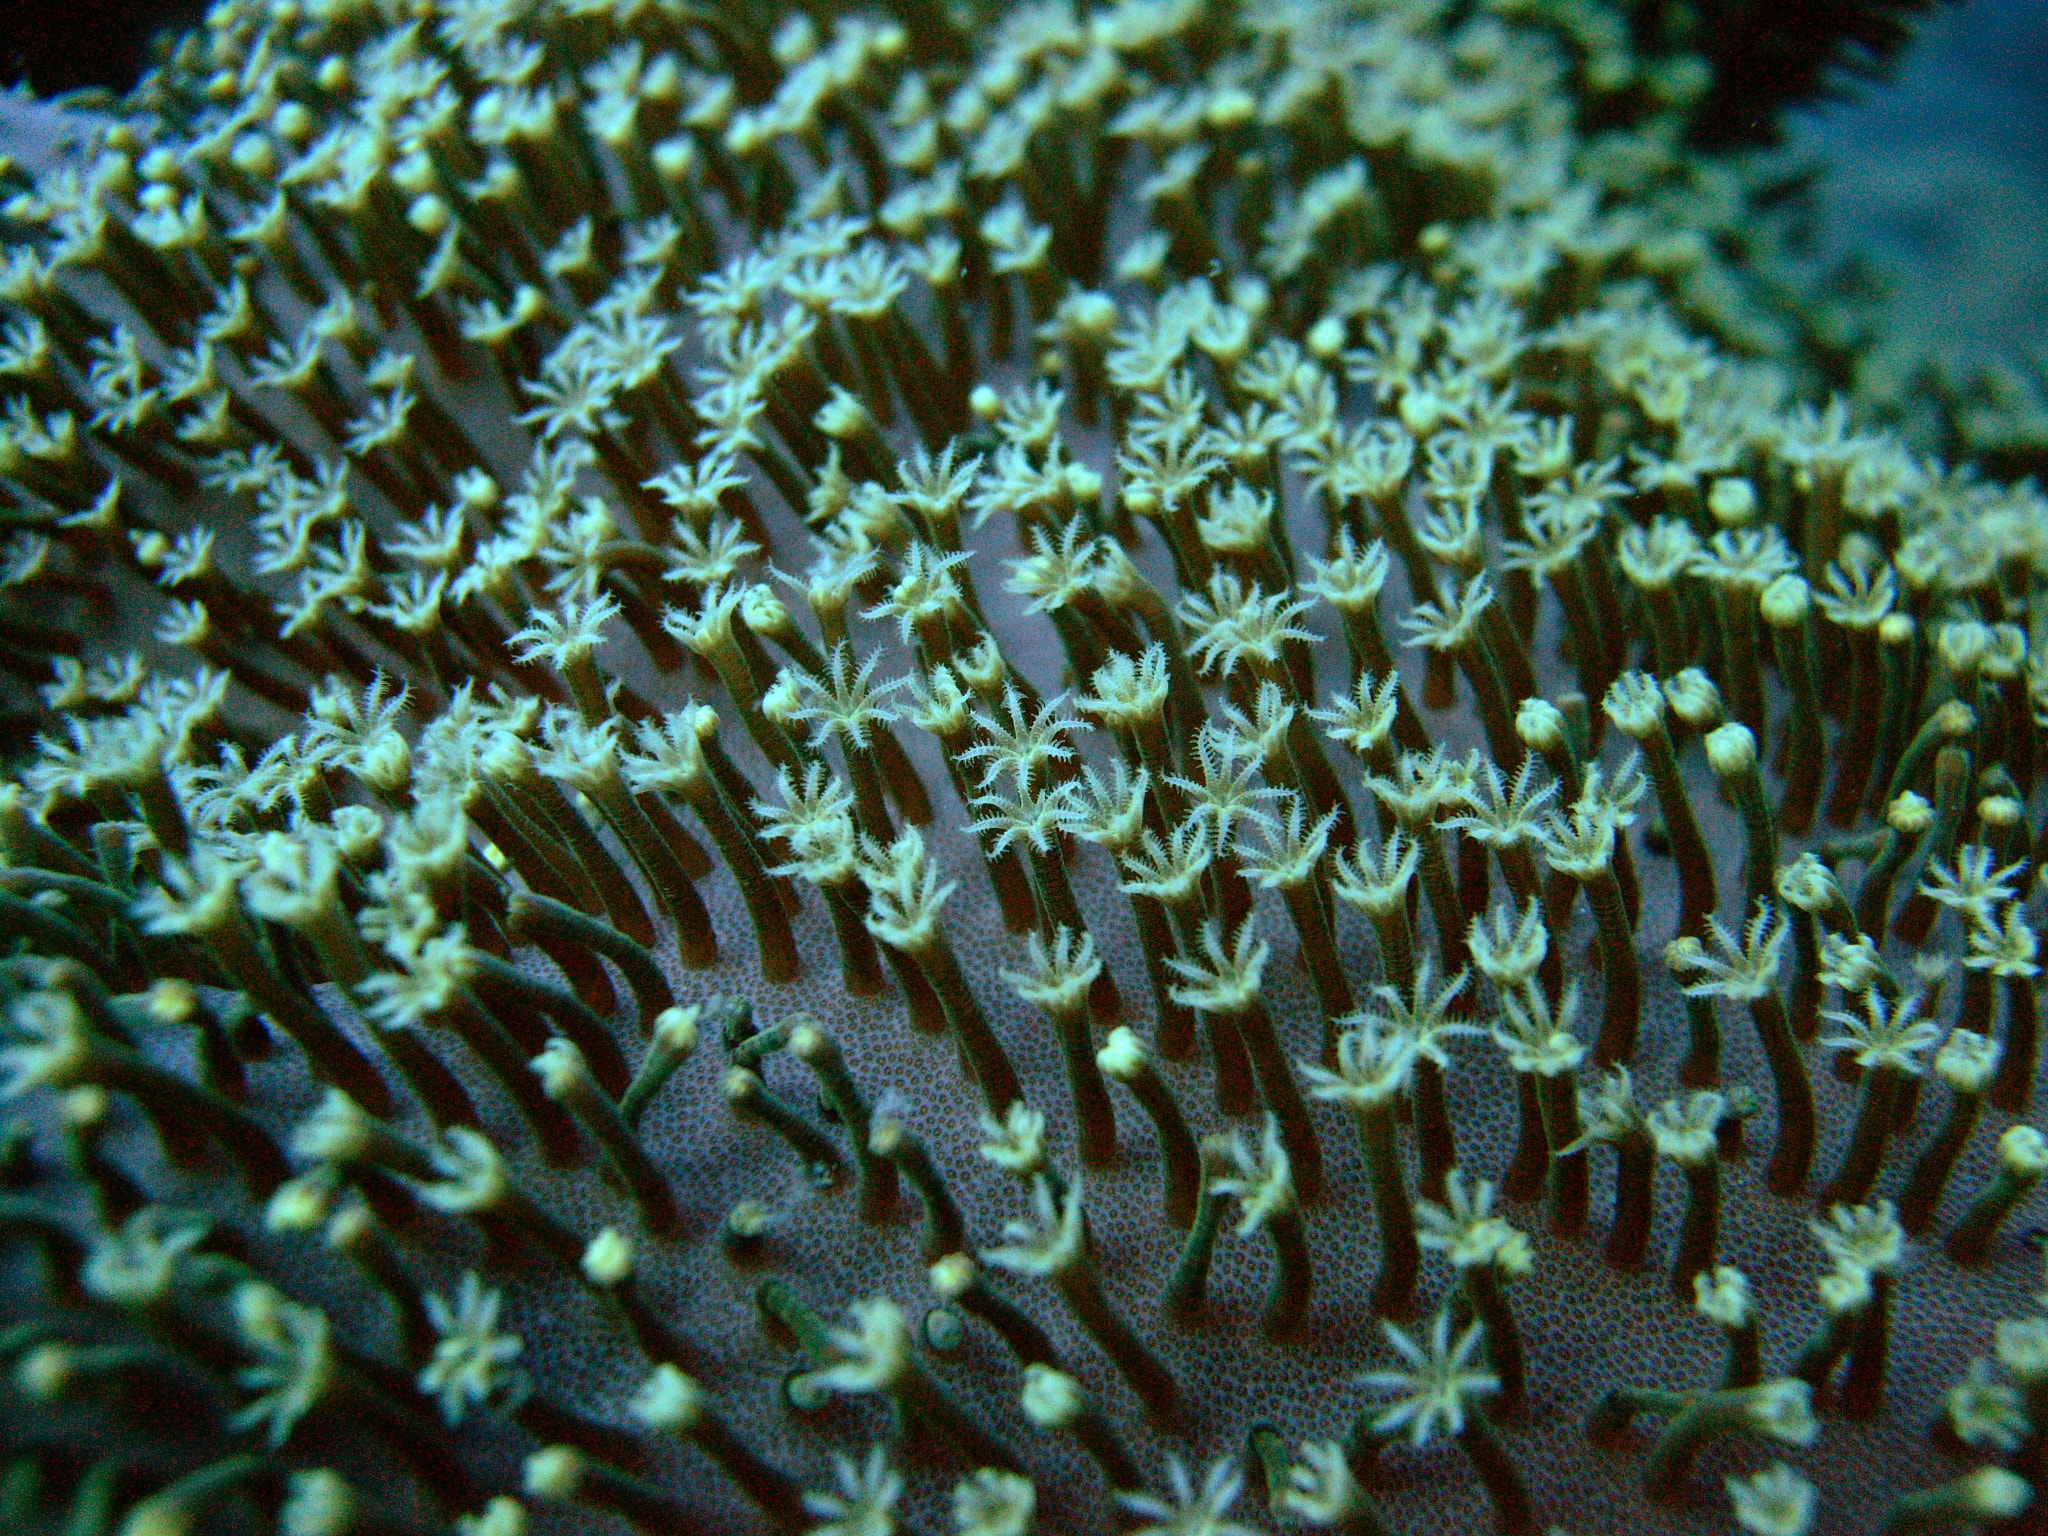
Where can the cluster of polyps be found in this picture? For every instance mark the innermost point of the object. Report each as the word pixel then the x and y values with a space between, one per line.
pixel 472 786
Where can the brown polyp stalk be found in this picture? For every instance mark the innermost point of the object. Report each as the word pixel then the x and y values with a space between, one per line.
pixel 1700 1065
pixel 1857 745
pixel 528 914
pixel 650 1333
pixel 771 1490
pixel 1514 1512
pixel 1635 1162
pixel 1058 909
pixel 1393 1291
pixel 1443 905
pixel 1970 1241
pixel 774 942
pixel 978 1043
pixel 1805 739
pixel 1696 887
pixel 479 1028
pixel 1924 1185
pixel 665 874
pixel 1585 636
pixel 1874 895
pixel 874 1176
pixel 1569 1173
pixel 567 1080
pixel 1370 654
pixel 944 1230
pixel 1150 1379
pixel 1479 1284
pixel 749 1098
pixel 1803 990
pixel 169 1099
pixel 1915 916
pixel 329 1053
pixel 1436 1148
pixel 1529 1164
pixel 1094 1118
pixel 1863 1157
pixel 1187 1288
pixel 1760 837
pixel 621 902
pixel 956 1279
pixel 1792 1153
pixel 1898 634
pixel 1438 691
pixel 521 1000
pixel 1621 1013
pixel 1287 1297
pixel 2012 1087
pixel 1174 1033
pixel 1862 1389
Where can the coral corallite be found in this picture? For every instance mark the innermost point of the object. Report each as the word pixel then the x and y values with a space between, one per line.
pixel 1067 770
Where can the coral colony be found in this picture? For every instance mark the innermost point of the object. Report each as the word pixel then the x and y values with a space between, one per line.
pixel 1070 770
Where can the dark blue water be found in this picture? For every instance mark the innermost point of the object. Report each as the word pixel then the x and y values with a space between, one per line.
pixel 1943 174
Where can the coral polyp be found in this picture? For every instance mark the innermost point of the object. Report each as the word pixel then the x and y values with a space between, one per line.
pixel 850 771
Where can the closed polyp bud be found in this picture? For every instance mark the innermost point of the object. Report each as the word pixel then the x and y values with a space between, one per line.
pixel 1123 1058
pixel 842 416
pixel 554 1473
pixel 1807 883
pixel 1731 500
pixel 609 1258
pixel 1540 724
pixel 1785 601
pixel 1783 1410
pixel 1844 1290
pixel 1962 646
pixel 171 1000
pixel 1999 811
pixel 2023 1151
pixel 44 1372
pixel 668 1400
pixel 1992 1493
pixel 1051 1399
pixel 318 1502
pixel 561 1068
pixel 1966 1061
pixel 1909 814
pixel 1955 719
pixel 2021 1345
pixel 674 159
pixel 1635 704
pixel 1775 1502
pixel 503 1516
pixel 2007 653
pixel 254 155
pixel 1722 1296
pixel 952 1277
pixel 428 214
pixel 1731 749
pixel 675 1029
pixel 1694 698
pixel 300 1204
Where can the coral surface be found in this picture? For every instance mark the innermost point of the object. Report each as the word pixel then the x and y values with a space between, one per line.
pixel 1051 769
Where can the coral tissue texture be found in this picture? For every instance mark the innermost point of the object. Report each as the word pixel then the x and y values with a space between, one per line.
pixel 1047 771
